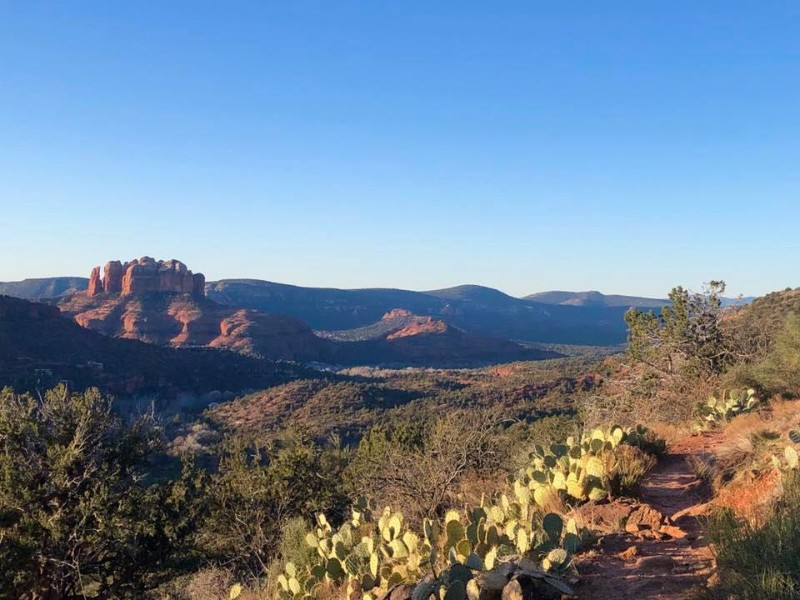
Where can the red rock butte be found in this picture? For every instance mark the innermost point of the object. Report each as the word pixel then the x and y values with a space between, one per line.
pixel 146 275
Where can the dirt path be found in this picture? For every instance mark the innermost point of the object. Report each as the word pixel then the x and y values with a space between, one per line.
pixel 671 563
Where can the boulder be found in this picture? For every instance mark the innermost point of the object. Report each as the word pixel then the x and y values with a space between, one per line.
pixel 644 517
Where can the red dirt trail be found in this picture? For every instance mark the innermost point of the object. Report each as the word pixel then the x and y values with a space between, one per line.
pixel 628 567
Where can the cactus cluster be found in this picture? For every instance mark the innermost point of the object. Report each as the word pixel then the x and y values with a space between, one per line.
pixel 488 547
pixel 485 536
pixel 502 540
pixel 721 410
pixel 365 554
pixel 576 471
pixel 792 458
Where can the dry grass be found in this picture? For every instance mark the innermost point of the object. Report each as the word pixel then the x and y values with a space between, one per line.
pixel 778 414
pixel 759 561
pixel 476 488
pixel 750 439
pixel 632 464
pixel 669 432
pixel 740 470
pixel 210 584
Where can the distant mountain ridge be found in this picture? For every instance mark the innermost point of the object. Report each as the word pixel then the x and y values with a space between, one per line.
pixel 473 309
pixel 594 298
pixel 561 317
pixel 45 287
pixel 163 302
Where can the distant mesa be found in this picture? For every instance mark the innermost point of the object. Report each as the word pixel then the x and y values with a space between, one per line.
pixel 146 275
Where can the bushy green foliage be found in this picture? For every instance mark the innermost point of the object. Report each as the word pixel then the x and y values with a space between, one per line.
pixel 75 512
pixel 420 465
pixel 548 430
pixel 258 488
pixel 687 338
pixel 759 562
pixel 777 370
pixel 80 516
pixel 353 402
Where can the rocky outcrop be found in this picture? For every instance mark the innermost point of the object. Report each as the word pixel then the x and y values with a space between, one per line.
pixel 163 302
pixel 198 284
pixel 39 347
pixel 182 320
pixel 95 283
pixel 413 325
pixel 146 275
pixel 402 337
pixel 112 277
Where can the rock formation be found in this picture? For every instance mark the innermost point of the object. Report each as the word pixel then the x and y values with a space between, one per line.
pixel 198 284
pixel 95 284
pixel 146 275
pixel 182 320
pixel 112 277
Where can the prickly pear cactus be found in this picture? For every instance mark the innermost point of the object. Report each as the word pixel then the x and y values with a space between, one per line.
pixel 717 411
pixel 364 555
pixel 577 471
pixel 507 539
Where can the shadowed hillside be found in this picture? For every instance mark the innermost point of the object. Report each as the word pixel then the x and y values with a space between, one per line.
pixel 401 336
pixel 39 347
pixel 473 309
pixel 49 287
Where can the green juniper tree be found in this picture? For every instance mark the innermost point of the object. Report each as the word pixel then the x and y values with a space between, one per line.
pixel 73 501
pixel 686 339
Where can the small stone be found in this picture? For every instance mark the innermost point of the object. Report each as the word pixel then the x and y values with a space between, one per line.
pixel 644 517
pixel 673 532
pixel 692 511
pixel 658 562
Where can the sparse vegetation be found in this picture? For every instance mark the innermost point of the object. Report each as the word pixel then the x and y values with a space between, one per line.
pixel 759 561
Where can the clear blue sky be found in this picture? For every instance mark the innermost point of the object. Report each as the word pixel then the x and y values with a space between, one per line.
pixel 528 145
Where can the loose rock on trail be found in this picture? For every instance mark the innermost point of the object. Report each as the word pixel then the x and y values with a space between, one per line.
pixel 656 549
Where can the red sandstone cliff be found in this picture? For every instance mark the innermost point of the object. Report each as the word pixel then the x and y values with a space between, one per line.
pixel 146 275
pixel 182 320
